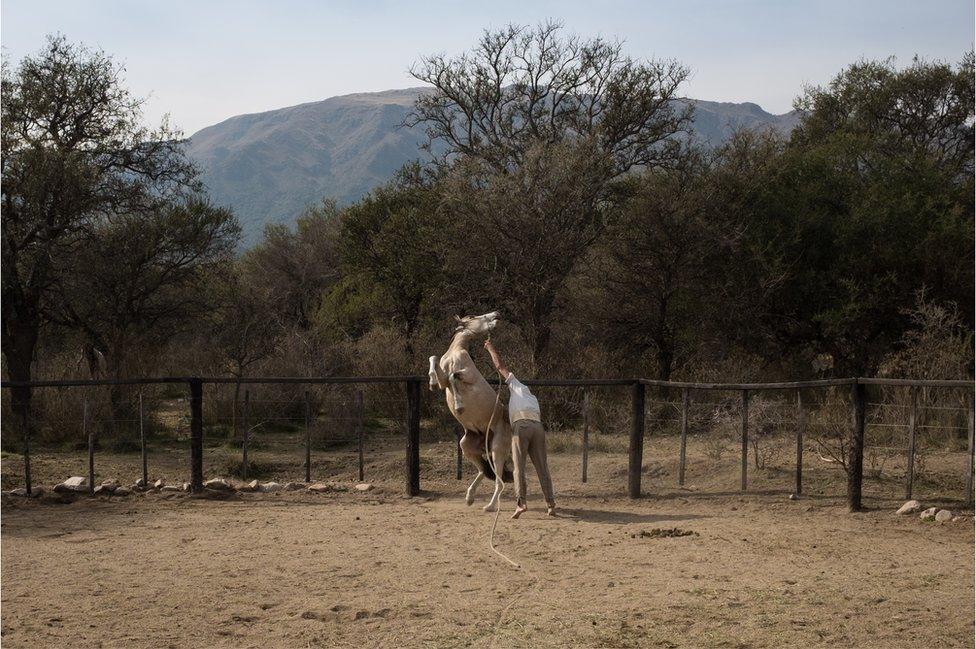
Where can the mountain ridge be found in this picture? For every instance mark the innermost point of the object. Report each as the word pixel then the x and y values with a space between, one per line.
pixel 269 165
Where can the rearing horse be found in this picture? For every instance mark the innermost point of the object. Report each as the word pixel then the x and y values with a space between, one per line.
pixel 472 401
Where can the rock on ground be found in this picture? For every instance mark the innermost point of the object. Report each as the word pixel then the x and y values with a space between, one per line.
pixel 943 516
pixel 110 485
pixel 19 491
pixel 170 487
pixel 218 484
pixel 159 484
pixel 269 487
pixel 364 486
pixel 321 487
pixel 74 483
pixel 294 486
pixel 122 491
pixel 929 514
pixel 910 507
pixel 251 486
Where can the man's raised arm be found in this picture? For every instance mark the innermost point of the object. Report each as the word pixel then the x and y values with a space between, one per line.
pixel 496 361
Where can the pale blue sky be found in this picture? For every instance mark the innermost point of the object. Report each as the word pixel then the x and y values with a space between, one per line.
pixel 206 60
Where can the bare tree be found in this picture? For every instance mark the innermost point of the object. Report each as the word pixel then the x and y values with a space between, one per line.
pixel 523 86
pixel 536 127
pixel 245 328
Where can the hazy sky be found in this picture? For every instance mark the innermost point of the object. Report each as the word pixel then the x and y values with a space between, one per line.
pixel 203 61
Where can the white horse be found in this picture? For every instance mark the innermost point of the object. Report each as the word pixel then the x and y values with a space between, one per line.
pixel 474 404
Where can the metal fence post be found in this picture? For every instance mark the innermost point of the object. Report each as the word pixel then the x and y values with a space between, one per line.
pixel 636 452
pixel 142 443
pixel 196 435
pixel 744 412
pixel 586 431
pixel 27 465
pixel 912 433
pixel 685 399
pixel 801 426
pixel 90 434
pixel 246 437
pixel 360 432
pixel 971 409
pixel 855 462
pixel 413 437
pixel 308 438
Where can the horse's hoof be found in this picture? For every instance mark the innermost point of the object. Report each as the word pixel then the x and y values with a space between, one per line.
pixel 469 500
pixel 489 507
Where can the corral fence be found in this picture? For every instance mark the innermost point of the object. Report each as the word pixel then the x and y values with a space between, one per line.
pixel 411 400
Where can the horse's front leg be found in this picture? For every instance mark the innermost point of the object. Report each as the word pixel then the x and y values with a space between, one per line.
pixel 437 377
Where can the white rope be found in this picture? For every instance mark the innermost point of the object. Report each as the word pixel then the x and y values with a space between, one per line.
pixel 498 476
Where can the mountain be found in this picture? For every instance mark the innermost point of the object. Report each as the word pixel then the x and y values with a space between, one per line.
pixel 268 166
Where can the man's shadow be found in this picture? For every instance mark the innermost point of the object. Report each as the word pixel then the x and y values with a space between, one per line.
pixel 621 518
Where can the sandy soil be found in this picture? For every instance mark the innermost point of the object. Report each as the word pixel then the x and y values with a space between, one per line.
pixel 380 570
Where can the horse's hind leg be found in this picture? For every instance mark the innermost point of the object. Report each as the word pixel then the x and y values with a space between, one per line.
pixel 471 449
pixel 499 455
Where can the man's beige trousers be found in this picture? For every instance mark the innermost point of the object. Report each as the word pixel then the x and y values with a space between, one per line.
pixel 529 438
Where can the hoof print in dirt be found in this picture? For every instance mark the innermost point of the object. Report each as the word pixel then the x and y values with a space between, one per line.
pixel 663 533
pixel 213 494
pixel 324 487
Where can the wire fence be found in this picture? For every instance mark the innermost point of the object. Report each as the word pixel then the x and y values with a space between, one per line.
pixel 914 438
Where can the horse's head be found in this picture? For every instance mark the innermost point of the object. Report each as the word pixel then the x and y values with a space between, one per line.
pixel 477 324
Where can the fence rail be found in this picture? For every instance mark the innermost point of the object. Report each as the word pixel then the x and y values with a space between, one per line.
pixel 413 397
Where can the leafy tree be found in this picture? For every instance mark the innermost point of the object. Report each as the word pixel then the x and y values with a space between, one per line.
pixel 73 151
pixel 871 202
pixel 140 278
pixel 659 270
pixel 393 244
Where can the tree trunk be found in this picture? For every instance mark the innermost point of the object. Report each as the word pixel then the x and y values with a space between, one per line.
pixel 540 344
pixel 234 410
pixel 20 340
pixel 665 365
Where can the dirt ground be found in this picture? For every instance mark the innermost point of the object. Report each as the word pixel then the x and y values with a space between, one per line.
pixel 377 569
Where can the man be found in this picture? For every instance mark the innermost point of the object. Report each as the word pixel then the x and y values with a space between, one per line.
pixel 528 436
